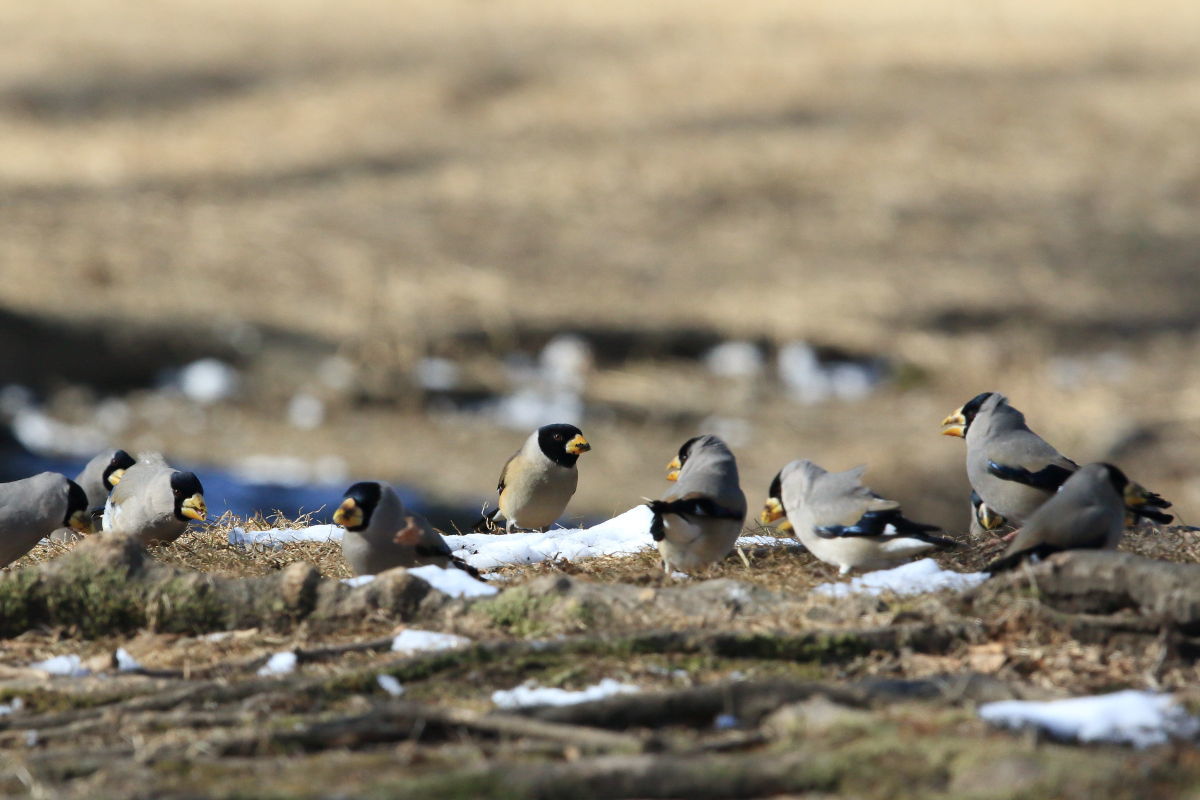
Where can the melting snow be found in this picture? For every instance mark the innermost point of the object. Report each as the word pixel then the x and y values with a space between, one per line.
pixel 415 641
pixel 530 694
pixel 279 664
pixel 207 380
pixel 125 662
pixel 1131 717
pixel 453 581
pixel 358 580
pixel 389 684
pixel 621 535
pixel 240 537
pixel 915 578
pixel 69 666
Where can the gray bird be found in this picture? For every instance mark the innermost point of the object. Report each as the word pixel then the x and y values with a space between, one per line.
pixel 32 508
pixel 381 534
pixel 539 480
pixel 100 475
pixel 1012 469
pixel 154 501
pixel 842 522
pixel 698 521
pixel 1089 512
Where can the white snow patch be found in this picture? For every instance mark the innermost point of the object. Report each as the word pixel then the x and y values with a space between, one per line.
pixel 358 580
pixel 70 666
pixel 811 381
pixel 240 537
pixel 281 663
pixel 291 471
pixel 389 684
pixel 735 359
pixel 414 641
pixel 125 662
pixel 531 407
pixel 1131 717
pixel 437 374
pixel 530 694
pixel 207 381
pixel 7 708
pixel 306 411
pixel 915 578
pixel 452 581
pixel 45 435
pixel 622 535
pixel 565 362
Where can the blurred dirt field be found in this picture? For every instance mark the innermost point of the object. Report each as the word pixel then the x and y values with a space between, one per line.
pixel 974 192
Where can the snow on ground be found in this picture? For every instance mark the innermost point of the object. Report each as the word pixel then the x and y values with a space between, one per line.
pixel 389 684
pixel 281 663
pixel 622 535
pixel 240 537
pixel 914 578
pixel 358 580
pixel 530 694
pixel 411 640
pixel 1131 717
pixel 453 581
pixel 70 666
pixel 125 662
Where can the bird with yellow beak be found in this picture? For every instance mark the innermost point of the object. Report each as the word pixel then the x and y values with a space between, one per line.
pixel 538 480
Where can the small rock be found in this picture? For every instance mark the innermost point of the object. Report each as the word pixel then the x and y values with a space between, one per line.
pixel 815 716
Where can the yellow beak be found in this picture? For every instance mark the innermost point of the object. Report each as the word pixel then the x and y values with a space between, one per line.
pixel 673 468
pixel 194 508
pixel 772 510
pixel 348 514
pixel 81 522
pixel 115 476
pixel 578 445
pixel 955 424
pixel 989 519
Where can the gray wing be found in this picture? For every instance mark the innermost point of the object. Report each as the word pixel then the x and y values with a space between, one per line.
pixel 840 498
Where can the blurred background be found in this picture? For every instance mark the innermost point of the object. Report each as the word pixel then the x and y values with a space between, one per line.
pixel 296 244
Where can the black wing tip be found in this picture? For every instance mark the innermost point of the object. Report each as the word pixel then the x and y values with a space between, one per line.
pixel 467 568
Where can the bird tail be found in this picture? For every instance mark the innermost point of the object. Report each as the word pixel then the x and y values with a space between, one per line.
pixel 657 508
pixel 455 561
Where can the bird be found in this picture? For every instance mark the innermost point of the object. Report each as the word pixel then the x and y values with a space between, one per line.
pixel 698 520
pixel 32 508
pixel 842 522
pixel 100 475
pixel 538 480
pixel 1089 512
pixel 381 534
pixel 154 501
pixel 1012 469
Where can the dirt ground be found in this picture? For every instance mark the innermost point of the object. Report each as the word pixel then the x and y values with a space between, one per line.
pixel 989 197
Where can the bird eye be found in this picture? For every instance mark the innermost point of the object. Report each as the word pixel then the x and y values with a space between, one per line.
pixel 558 436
